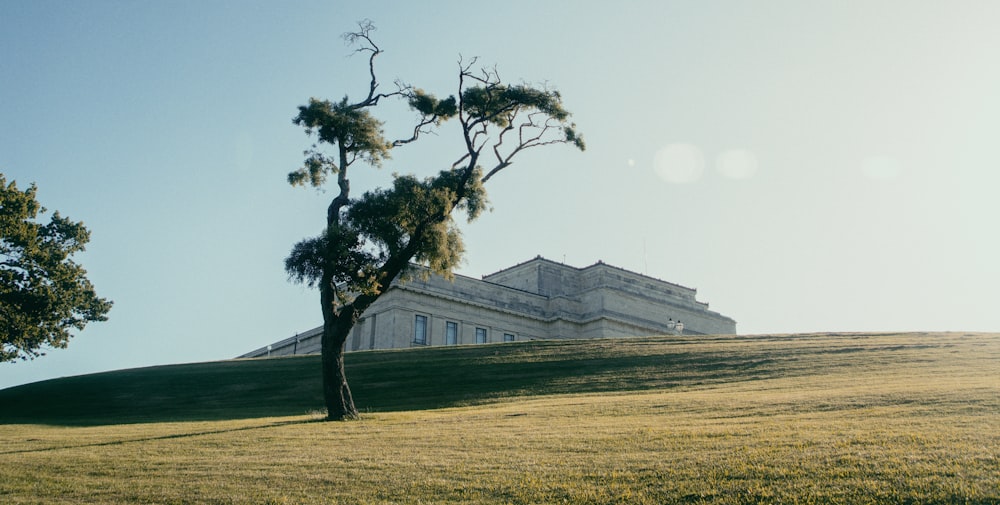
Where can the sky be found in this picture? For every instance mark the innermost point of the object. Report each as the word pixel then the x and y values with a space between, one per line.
pixel 806 166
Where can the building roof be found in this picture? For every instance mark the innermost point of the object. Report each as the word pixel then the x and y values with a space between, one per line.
pixel 599 264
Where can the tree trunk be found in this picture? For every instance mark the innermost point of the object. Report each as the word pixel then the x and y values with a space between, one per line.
pixel 336 392
pixel 336 327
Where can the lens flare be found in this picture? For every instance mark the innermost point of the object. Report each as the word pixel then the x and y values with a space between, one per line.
pixel 679 163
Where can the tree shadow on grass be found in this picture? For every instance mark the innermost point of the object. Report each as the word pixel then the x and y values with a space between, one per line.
pixel 429 378
pixel 430 384
pixel 380 381
pixel 237 389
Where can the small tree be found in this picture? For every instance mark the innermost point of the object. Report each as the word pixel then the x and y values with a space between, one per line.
pixel 372 240
pixel 43 294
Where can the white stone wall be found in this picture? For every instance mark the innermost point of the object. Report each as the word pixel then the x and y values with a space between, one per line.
pixel 538 299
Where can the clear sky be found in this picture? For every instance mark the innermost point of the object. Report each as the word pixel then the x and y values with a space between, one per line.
pixel 807 166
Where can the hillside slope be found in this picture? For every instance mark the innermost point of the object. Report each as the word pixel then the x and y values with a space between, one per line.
pixel 449 376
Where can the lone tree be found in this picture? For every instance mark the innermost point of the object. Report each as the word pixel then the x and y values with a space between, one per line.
pixel 381 236
pixel 43 294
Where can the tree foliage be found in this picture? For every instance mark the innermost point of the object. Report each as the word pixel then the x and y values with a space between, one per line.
pixel 43 293
pixel 371 240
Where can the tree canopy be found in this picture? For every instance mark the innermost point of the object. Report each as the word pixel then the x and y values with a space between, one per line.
pixel 43 293
pixel 371 240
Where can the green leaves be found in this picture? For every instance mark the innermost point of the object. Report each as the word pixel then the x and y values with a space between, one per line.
pixel 339 257
pixel 573 137
pixel 352 130
pixel 413 218
pixel 43 293
pixel 430 106
pixel 498 103
pixel 314 169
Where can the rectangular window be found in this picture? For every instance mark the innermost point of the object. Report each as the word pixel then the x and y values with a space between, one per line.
pixel 508 337
pixel 480 335
pixel 450 333
pixel 420 330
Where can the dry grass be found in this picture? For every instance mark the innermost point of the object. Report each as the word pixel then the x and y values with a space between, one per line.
pixel 882 419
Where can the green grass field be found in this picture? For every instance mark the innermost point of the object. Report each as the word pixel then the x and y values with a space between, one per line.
pixel 832 418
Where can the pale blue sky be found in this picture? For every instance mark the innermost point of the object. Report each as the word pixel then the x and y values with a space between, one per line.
pixel 807 166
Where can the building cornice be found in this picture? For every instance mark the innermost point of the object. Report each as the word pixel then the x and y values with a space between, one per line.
pixel 600 264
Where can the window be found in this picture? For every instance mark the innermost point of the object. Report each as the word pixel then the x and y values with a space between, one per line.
pixel 480 335
pixel 450 333
pixel 508 337
pixel 420 330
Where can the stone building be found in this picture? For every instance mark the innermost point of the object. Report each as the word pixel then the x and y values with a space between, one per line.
pixel 537 299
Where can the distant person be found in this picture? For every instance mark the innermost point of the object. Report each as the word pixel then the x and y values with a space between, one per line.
pixel 679 326
pixel 671 324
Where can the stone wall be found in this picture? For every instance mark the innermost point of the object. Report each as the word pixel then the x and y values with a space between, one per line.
pixel 537 299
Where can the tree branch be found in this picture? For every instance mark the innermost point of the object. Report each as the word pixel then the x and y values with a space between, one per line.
pixel 418 129
pixel 363 35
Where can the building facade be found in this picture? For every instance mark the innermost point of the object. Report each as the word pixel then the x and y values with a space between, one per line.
pixel 537 299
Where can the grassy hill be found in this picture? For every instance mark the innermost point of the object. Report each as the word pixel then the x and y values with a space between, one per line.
pixel 838 419
pixel 427 378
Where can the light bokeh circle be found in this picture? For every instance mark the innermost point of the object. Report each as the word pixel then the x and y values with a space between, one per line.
pixel 679 163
